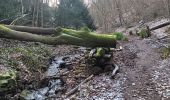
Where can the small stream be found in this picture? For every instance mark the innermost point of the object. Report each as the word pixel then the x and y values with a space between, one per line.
pixel 54 84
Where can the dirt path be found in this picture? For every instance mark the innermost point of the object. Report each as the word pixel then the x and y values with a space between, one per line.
pixel 143 74
pixel 139 84
pixel 145 78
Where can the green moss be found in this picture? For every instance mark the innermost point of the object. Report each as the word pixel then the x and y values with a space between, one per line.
pixel 86 29
pixel 31 59
pixel 7 75
pixel 28 61
pixel 120 36
pixel 4 29
pixel 7 80
pixel 144 32
pixel 100 52
pixel 165 53
pixel 24 93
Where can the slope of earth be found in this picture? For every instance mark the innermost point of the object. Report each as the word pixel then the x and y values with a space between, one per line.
pixel 28 60
pixel 148 78
pixel 143 74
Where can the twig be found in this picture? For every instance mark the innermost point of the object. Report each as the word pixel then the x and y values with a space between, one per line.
pixel 76 88
pixel 115 71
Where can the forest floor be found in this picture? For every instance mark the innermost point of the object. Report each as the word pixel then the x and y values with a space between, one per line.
pixel 144 72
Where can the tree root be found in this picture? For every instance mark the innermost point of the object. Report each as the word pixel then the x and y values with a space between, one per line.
pixel 116 69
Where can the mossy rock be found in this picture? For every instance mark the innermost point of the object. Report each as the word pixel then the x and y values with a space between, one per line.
pixel 165 53
pixel 100 52
pixel 7 80
pixel 144 32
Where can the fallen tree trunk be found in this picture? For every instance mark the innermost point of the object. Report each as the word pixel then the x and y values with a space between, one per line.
pixel 61 36
pixel 160 26
pixel 33 30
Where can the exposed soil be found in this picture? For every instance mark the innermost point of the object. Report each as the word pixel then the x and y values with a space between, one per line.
pixel 143 74
pixel 139 83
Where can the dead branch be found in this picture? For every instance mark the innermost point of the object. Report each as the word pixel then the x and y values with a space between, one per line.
pixel 114 71
pixel 76 88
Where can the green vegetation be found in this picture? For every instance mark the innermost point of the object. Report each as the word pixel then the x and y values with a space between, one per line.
pixel 22 64
pixel 144 32
pixel 165 52
pixel 33 57
pixel 73 14
pixel 9 9
pixel 68 13
pixel 7 80
pixel 120 36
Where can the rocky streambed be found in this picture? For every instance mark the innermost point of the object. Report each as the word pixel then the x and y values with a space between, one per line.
pixel 35 71
pixel 53 84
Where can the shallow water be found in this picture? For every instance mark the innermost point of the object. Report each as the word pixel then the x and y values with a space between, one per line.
pixel 54 85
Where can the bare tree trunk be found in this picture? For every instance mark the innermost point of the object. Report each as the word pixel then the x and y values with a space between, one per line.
pixel 34 11
pixel 37 15
pixel 118 7
pixel 160 26
pixel 42 13
pixel 22 8
pixel 168 7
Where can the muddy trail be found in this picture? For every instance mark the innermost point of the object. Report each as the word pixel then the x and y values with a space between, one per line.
pixel 140 83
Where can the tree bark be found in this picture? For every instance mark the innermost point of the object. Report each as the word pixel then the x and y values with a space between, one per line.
pixel 62 36
pixel 160 26
pixel 42 14
pixel 22 8
pixel 34 13
pixel 37 14
pixel 33 30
